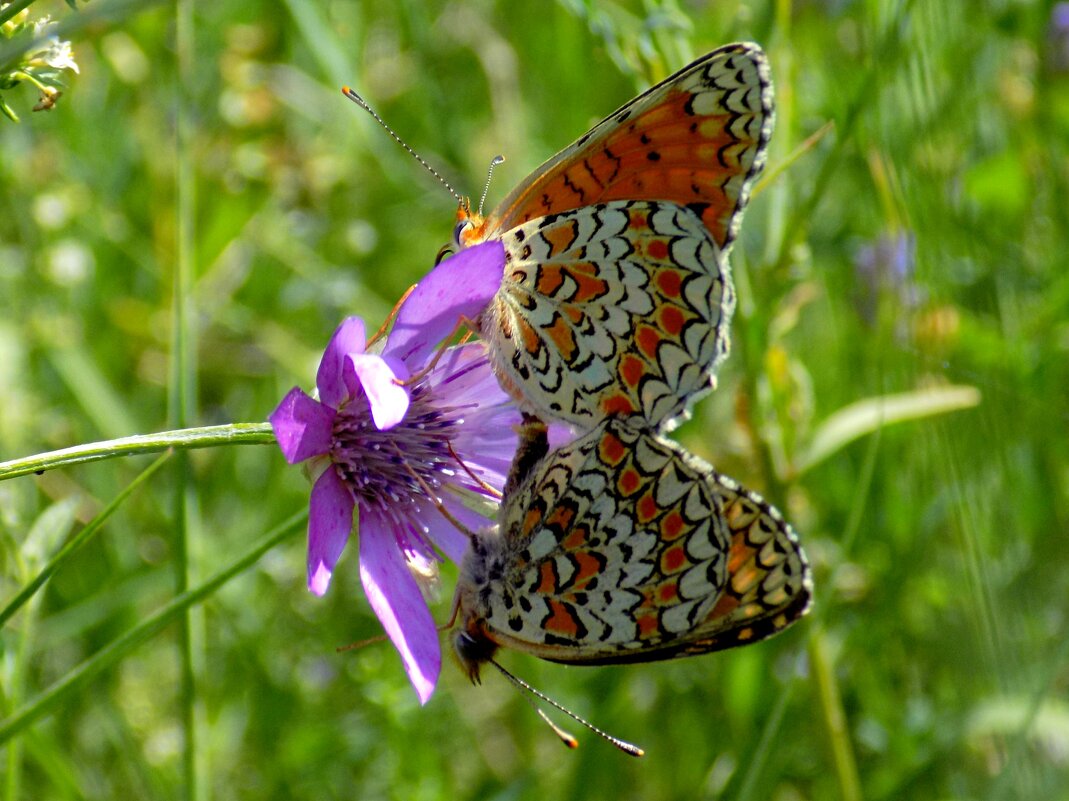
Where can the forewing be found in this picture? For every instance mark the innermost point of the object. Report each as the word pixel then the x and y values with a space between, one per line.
pixel 698 138
pixel 618 309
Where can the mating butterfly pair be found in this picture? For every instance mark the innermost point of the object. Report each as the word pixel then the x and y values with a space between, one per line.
pixel 613 315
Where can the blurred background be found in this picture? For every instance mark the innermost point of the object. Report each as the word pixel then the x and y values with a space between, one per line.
pixel 898 386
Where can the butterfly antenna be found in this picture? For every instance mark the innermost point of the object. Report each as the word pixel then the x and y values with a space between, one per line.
pixel 349 93
pixel 489 175
pixel 489 489
pixel 567 739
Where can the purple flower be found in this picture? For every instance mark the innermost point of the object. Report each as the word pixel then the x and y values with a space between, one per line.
pixel 887 264
pixel 370 436
pixel 1058 37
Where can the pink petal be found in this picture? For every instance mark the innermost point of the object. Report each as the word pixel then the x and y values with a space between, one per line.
pixel 302 426
pixel 329 524
pixel 348 338
pixel 398 602
pixel 461 286
pixel 388 401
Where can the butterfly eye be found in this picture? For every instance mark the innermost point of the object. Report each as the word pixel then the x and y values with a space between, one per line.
pixel 444 252
pixel 458 232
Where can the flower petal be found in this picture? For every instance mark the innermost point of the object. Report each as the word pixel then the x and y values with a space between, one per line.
pixel 302 426
pixel 388 401
pixel 461 286
pixel 329 524
pixel 398 602
pixel 348 339
pixel 442 533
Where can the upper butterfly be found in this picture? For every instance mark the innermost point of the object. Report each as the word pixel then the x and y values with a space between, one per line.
pixel 616 297
pixel 622 547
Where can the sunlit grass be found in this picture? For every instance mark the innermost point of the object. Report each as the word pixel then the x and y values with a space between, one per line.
pixel 910 422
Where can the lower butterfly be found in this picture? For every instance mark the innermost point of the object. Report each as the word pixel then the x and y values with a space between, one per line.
pixel 616 296
pixel 622 547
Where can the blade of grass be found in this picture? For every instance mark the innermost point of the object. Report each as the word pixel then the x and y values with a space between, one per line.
pixel 183 391
pixel 114 651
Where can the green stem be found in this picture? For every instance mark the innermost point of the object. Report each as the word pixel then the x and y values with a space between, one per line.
pixel 76 542
pixel 831 704
pixel 76 678
pixel 14 9
pixel 181 439
pixel 183 384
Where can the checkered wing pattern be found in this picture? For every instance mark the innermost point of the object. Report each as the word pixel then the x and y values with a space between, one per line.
pixel 616 309
pixel 621 547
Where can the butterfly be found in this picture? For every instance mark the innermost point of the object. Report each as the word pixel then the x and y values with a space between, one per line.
pixel 616 296
pixel 622 547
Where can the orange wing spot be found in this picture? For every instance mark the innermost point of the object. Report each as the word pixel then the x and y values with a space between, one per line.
pixel 648 339
pixel 669 283
pixel 561 334
pixel 647 626
pixel 588 288
pixel 618 405
pixel 668 592
pixel 588 568
pixel 549 281
pixel 657 249
pixel 671 320
pixel 713 219
pixel 576 538
pixel 631 369
pixel 532 519
pixel 560 237
pixel 672 525
pixel 573 313
pixel 548 583
pixel 629 482
pixel 740 553
pixel 611 450
pixel 561 620
pixel 532 343
pixel 673 559
pixel 724 607
pixel 561 518
pixel 638 221
pixel 646 509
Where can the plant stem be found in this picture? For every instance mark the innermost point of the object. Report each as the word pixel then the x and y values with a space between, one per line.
pixel 180 439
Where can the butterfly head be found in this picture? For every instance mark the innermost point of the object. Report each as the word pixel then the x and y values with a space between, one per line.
pixel 471 226
pixel 473 649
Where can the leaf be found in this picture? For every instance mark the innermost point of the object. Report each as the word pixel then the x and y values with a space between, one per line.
pixel 866 416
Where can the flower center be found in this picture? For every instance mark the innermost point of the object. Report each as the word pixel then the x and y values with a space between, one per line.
pixel 379 467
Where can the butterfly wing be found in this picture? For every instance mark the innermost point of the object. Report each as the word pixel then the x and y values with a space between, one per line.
pixel 617 309
pixel 621 547
pixel 698 139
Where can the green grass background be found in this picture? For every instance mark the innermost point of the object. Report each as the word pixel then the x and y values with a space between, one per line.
pixel 936 662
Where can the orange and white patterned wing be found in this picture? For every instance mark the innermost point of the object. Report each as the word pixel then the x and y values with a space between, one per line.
pixel 698 139
pixel 621 547
pixel 621 309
